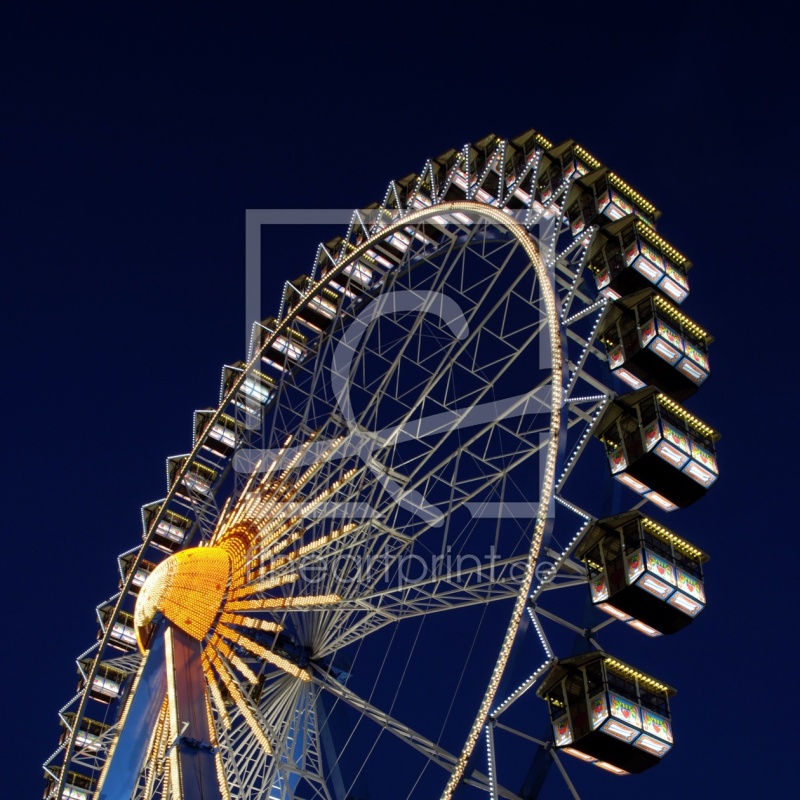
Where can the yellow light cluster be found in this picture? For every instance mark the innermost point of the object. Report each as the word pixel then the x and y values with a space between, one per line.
pixel 673 312
pixel 330 294
pixel 542 142
pixel 667 535
pixel 295 335
pixel 629 672
pixel 187 588
pixel 691 420
pixel 628 190
pixel 585 155
pixel 648 233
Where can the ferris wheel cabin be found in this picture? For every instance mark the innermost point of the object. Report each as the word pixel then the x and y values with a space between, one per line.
pixel 628 256
pixel 649 341
pixel 658 449
pixel 143 570
pixel 87 733
pixel 288 348
pixel 107 684
pixel 224 433
pixel 170 532
pixel 643 574
pixel 318 311
pixel 76 786
pixel 608 713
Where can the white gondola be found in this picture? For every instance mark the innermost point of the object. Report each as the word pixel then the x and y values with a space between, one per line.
pixel 171 531
pixel 123 634
pixel 105 689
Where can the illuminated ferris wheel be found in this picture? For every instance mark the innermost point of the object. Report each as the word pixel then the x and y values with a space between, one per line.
pixel 375 561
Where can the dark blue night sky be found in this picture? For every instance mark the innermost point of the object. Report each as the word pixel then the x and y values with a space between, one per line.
pixel 131 144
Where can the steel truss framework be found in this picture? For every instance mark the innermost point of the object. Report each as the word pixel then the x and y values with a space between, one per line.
pixel 455 418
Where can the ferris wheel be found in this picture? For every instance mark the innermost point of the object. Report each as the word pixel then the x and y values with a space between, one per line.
pixel 379 555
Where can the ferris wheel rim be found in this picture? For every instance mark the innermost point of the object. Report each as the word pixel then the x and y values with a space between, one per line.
pixel 521 234
pixel 405 218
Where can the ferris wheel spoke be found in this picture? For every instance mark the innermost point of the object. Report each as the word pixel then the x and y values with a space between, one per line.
pixel 94 754
pixel 353 619
pixel 455 347
pixel 404 733
pixel 378 555
pixel 286 708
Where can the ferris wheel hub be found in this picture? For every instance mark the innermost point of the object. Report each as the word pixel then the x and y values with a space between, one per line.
pixel 187 588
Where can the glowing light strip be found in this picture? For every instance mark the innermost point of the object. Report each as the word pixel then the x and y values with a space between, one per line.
pixel 158 731
pixel 235 660
pixel 265 555
pixel 241 704
pixel 520 233
pixel 690 326
pixel 218 765
pixel 315 467
pixel 172 709
pixel 103 672
pixel 648 233
pixel 251 622
pixel 294 334
pixel 214 692
pixel 262 586
pixel 284 602
pixel 629 672
pixel 691 420
pixel 221 779
pixel 625 188
pixel 313 546
pixel 262 652
pixel 586 156
pixel 666 534
pixel 157 750
pixel 199 469
pixel 175 518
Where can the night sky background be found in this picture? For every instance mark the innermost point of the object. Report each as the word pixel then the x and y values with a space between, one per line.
pixel 133 140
